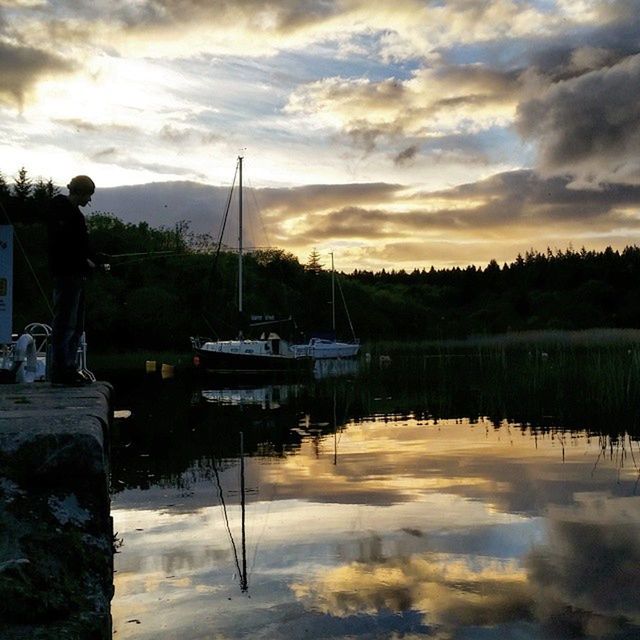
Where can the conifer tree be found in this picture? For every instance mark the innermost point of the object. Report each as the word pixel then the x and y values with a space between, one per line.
pixel 313 263
pixel 44 190
pixel 22 187
pixel 51 188
pixel 39 190
pixel 4 188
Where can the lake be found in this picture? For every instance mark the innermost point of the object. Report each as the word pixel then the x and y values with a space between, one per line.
pixel 466 495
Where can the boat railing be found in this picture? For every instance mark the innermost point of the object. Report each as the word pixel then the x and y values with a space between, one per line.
pixel 41 333
pixel 198 341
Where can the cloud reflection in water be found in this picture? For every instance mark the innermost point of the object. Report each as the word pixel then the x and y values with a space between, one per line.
pixel 420 530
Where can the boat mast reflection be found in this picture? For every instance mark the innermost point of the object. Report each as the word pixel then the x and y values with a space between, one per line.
pixel 241 565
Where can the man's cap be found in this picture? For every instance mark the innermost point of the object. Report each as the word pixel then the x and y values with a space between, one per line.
pixel 81 184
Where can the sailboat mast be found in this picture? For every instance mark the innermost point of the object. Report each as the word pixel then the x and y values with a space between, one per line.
pixel 333 296
pixel 240 236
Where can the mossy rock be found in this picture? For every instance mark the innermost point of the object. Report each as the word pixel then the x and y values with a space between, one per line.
pixel 52 572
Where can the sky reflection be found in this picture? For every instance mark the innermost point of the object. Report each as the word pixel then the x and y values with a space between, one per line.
pixel 391 529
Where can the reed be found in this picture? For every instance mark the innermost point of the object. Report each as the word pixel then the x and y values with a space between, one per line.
pixel 561 380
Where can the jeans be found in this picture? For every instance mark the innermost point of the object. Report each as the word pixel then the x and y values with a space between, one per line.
pixel 68 324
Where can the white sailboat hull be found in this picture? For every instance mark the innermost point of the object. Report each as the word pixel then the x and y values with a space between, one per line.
pixel 226 356
pixel 320 349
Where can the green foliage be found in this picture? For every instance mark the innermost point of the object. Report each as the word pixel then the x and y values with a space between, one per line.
pixel 112 236
pixel 163 287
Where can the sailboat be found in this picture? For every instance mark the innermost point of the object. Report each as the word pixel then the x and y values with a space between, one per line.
pixel 268 353
pixel 329 348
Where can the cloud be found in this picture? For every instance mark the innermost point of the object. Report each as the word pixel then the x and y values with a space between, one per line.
pixel 377 224
pixel 586 577
pixel 85 126
pixel 582 582
pixel 109 154
pixel 430 104
pixel 22 67
pixel 466 72
pixel 505 205
pixel 323 197
pixel 116 155
pixel 187 135
pixel 406 155
pixel 157 27
pixel 448 590
pixel 589 126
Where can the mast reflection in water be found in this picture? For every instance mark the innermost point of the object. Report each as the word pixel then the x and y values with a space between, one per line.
pixel 370 507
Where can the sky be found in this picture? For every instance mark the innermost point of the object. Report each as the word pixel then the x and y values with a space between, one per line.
pixel 396 134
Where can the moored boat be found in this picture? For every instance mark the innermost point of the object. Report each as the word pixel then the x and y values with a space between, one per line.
pixel 268 353
pixel 243 355
pixel 324 348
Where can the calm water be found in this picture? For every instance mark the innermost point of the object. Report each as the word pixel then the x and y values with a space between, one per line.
pixel 378 505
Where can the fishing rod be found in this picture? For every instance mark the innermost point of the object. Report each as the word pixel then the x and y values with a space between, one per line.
pixel 139 253
pixel 141 256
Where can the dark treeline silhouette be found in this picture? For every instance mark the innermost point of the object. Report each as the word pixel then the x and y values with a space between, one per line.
pixel 171 290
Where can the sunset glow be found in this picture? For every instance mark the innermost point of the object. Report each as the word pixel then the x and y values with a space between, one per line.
pixel 406 134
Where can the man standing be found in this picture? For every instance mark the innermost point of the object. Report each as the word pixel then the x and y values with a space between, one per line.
pixel 70 263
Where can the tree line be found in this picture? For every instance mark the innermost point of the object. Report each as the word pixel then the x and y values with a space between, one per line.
pixel 167 284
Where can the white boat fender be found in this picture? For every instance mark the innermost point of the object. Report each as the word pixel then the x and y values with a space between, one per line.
pixel 25 358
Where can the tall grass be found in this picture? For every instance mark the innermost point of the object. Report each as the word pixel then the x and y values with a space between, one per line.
pixel 562 380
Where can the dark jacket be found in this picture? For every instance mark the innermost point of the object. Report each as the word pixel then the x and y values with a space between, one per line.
pixel 68 239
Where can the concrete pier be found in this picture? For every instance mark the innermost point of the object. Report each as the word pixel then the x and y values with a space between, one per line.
pixel 56 533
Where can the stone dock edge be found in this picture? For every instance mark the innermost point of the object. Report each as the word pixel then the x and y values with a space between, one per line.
pixel 56 532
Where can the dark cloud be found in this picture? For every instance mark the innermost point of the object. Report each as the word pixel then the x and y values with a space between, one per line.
pixel 352 222
pixel 406 155
pixel 322 197
pixel 84 126
pixel 21 67
pixel 511 205
pixel 364 136
pixel 183 136
pixel 281 16
pixel 499 205
pixel 589 126
pixel 523 195
pixel 110 154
